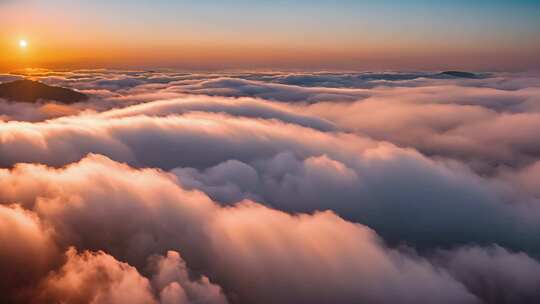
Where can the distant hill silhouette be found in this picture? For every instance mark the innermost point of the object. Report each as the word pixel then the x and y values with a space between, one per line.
pixel 32 91
pixel 459 74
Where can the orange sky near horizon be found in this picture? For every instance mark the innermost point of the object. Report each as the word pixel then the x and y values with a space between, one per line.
pixel 69 35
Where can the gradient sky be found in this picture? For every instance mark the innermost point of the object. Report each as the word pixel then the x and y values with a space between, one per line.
pixel 277 34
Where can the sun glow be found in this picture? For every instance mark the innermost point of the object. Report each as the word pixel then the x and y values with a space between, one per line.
pixel 23 43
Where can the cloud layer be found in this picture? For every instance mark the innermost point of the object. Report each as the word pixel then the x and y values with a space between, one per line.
pixel 272 188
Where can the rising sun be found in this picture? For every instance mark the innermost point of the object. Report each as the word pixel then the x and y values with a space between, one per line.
pixel 23 43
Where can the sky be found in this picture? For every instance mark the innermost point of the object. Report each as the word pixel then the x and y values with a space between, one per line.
pixel 238 34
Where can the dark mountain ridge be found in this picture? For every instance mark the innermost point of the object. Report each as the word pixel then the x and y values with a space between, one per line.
pixel 31 91
pixel 459 74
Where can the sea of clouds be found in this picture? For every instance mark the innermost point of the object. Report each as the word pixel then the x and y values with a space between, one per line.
pixel 168 187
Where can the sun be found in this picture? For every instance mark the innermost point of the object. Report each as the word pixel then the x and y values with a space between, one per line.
pixel 23 43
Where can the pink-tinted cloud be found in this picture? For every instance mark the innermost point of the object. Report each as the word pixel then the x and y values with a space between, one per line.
pixel 232 245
